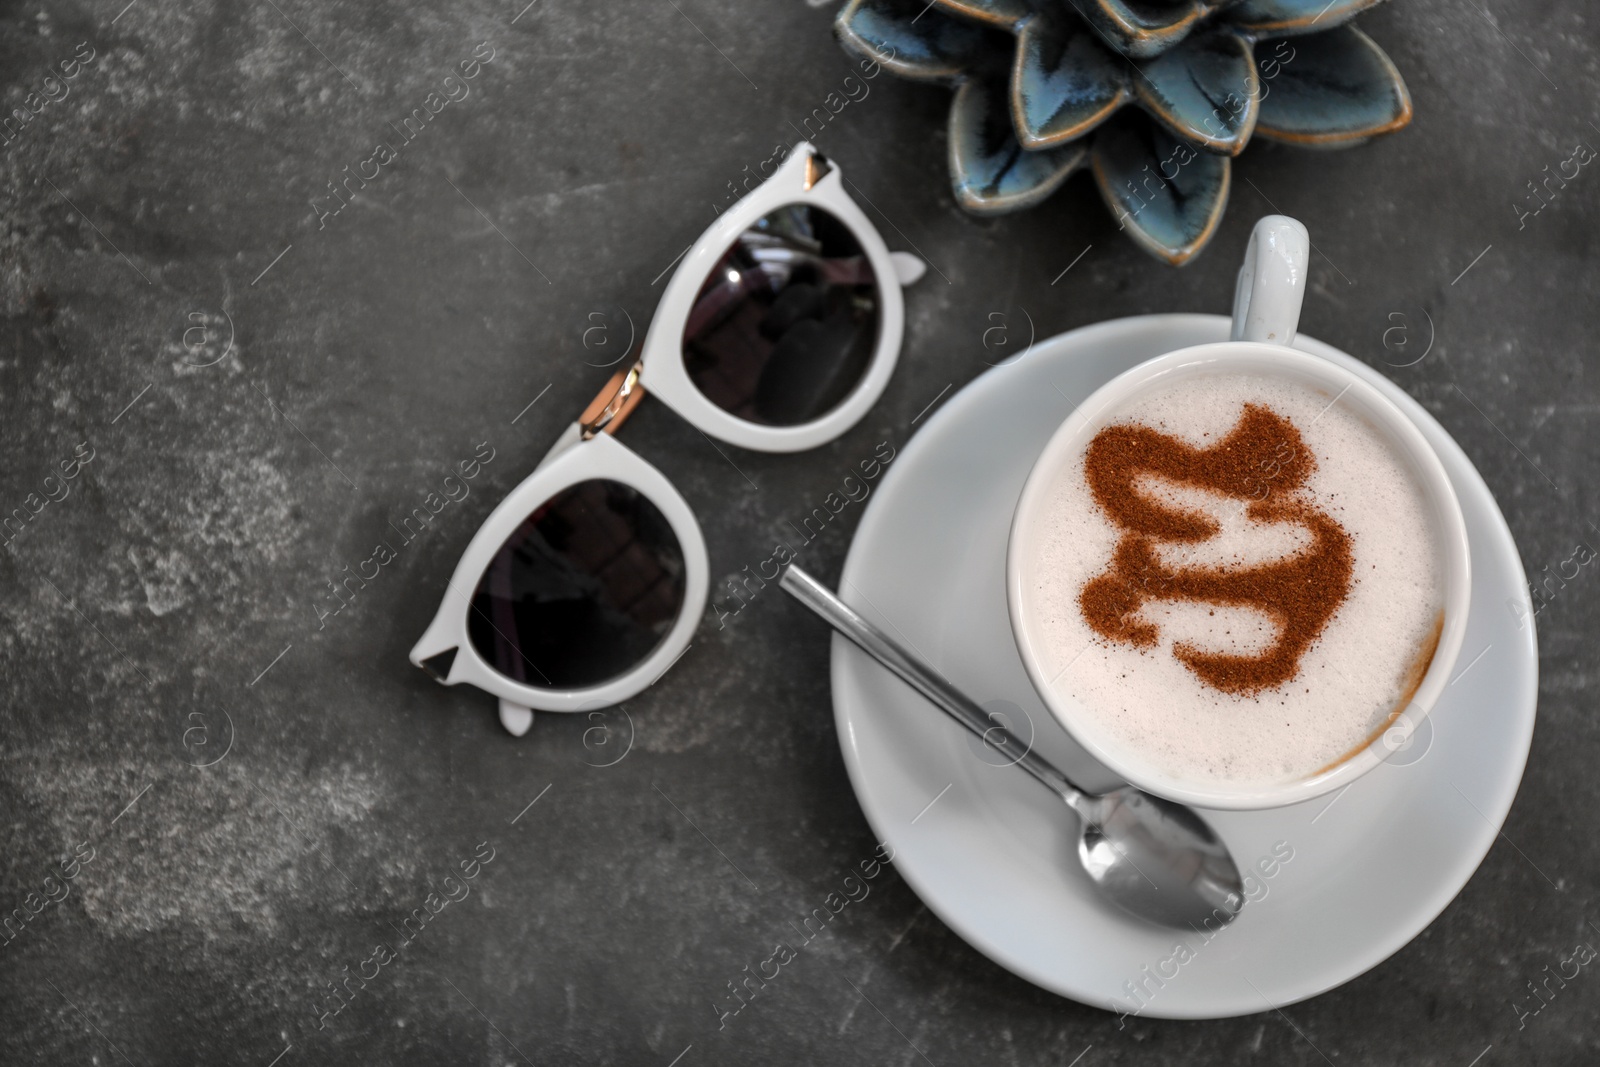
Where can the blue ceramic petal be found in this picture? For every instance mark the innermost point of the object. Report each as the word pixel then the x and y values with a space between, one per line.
pixel 990 171
pixel 1330 90
pixel 1004 14
pixel 1279 18
pixel 1168 195
pixel 1205 90
pixel 908 38
pixel 1142 28
pixel 1064 82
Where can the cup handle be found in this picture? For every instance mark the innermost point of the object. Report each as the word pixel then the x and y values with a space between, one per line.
pixel 1272 281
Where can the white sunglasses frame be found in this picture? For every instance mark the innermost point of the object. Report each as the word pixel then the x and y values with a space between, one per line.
pixel 586 449
pixel 794 182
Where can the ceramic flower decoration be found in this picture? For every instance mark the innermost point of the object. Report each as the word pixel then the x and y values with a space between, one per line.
pixel 1155 97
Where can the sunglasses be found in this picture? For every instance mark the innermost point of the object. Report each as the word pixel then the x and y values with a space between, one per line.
pixel 777 332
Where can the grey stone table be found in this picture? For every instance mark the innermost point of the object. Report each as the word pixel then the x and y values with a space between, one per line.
pixel 250 379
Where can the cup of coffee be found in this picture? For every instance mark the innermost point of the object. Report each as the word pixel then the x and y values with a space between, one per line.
pixel 1238 574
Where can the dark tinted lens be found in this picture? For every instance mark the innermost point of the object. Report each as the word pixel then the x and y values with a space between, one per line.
pixel 585 589
pixel 786 324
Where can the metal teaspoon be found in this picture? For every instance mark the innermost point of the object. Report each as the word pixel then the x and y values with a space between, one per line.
pixel 1154 858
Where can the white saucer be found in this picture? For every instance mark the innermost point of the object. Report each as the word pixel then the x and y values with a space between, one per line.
pixel 993 855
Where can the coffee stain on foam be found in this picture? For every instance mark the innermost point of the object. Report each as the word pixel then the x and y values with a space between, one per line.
pixel 1410 682
pixel 1418 668
pixel 219 852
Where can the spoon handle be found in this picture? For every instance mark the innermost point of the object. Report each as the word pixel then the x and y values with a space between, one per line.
pixel 922 677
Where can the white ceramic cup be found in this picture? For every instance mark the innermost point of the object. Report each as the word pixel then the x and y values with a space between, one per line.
pixel 1266 310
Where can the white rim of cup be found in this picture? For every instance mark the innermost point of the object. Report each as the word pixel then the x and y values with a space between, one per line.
pixel 1389 420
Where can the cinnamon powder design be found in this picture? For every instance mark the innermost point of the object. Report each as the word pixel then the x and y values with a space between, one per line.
pixel 1264 460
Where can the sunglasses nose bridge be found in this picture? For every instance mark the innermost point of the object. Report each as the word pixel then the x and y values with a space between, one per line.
pixel 614 403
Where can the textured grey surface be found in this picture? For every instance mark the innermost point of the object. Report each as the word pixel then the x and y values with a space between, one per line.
pixel 140 610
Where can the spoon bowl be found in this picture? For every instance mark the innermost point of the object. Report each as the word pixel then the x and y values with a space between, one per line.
pixel 1158 860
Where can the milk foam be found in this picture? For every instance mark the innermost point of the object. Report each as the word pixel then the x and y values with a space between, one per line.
pixel 1351 679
